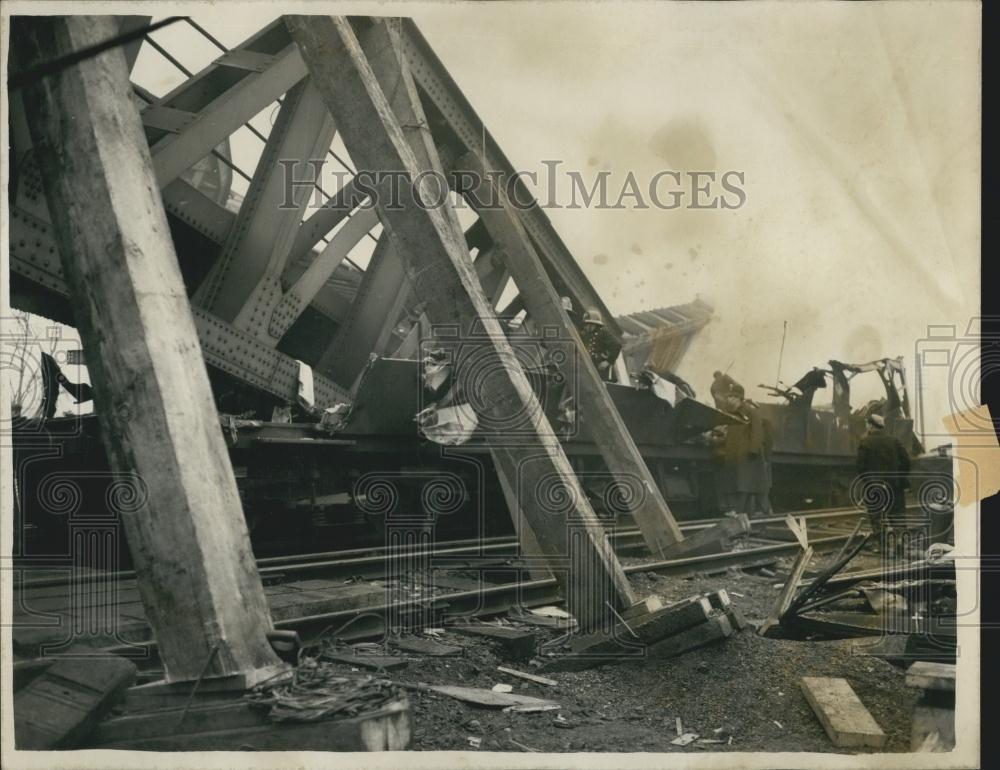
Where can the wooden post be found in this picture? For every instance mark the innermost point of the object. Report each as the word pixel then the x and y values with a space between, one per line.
pixel 188 539
pixel 598 414
pixel 430 242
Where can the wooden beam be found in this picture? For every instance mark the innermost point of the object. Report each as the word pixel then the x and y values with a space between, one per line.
pixel 531 552
pixel 368 326
pixel 439 89
pixel 188 536
pixel 844 717
pixel 599 417
pixel 432 246
pixel 784 600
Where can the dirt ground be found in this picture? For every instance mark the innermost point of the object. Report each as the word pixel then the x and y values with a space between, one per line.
pixel 743 692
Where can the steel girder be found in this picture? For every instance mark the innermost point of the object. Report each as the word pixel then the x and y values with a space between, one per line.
pixel 34 255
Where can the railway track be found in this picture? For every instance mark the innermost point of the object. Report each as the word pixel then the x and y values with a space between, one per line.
pixel 370 562
pixel 487 598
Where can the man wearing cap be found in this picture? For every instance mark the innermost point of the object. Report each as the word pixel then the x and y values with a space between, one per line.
pixel 883 465
pixel 599 343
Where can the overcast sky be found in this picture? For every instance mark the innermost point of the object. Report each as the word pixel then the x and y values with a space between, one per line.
pixel 856 127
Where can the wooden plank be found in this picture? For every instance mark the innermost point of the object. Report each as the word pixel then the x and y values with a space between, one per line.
pixel 712 630
pixel 931 676
pixel 431 243
pixel 653 627
pixel 784 599
pixel 624 646
pixel 599 418
pixel 531 551
pixel 64 703
pixel 516 642
pixel 186 531
pixel 842 714
pixel 646 606
pixel 529 677
pixel 489 698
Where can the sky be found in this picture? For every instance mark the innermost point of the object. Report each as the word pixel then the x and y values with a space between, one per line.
pixel 855 126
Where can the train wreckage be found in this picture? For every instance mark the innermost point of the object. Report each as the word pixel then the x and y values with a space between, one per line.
pixel 306 454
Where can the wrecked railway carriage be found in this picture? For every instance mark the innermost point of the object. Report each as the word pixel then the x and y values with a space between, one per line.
pixel 310 481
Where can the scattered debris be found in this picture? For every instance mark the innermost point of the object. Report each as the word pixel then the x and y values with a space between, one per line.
pixel 680 727
pixel 685 739
pixel 474 741
pixel 842 714
pixel 501 687
pixel 318 692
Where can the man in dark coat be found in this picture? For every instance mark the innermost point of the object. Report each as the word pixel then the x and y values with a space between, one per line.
pixel 883 464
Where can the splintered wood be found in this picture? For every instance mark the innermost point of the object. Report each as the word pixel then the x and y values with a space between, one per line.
pixel 841 712
pixel 788 591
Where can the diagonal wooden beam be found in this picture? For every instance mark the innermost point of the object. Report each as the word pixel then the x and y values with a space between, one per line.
pixel 186 529
pixel 432 247
pixel 599 417
pixel 440 92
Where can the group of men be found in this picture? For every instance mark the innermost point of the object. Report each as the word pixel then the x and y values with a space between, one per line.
pixel 883 463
